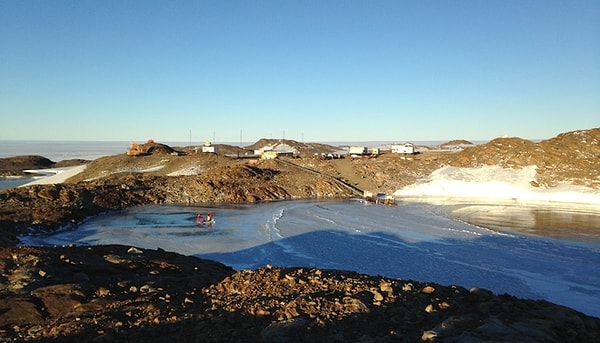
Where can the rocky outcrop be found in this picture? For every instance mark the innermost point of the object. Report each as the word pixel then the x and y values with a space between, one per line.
pixel 13 166
pixel 111 293
pixel 124 294
pixel 572 157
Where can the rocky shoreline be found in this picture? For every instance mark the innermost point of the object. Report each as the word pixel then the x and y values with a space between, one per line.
pixel 118 293
pixel 125 294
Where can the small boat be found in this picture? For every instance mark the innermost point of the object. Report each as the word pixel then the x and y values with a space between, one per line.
pixel 209 221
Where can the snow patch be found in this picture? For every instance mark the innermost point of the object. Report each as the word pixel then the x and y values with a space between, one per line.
pixel 186 172
pixel 56 175
pixel 496 183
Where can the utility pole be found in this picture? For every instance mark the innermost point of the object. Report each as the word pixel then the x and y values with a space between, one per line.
pixel 240 144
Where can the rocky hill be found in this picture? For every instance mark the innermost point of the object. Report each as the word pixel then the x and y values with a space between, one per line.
pixel 456 144
pixel 572 157
pixel 302 149
pixel 14 166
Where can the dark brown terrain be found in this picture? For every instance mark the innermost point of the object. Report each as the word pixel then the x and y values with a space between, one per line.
pixel 14 166
pixel 116 293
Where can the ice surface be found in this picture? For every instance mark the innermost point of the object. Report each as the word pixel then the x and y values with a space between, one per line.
pixel 410 241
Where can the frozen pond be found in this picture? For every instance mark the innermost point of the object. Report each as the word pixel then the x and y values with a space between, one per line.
pixel 529 252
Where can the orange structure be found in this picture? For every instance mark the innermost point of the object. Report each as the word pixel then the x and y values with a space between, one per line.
pixel 136 149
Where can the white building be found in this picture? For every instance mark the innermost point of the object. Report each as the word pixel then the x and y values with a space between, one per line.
pixel 208 147
pixel 407 148
pixel 357 150
pixel 280 148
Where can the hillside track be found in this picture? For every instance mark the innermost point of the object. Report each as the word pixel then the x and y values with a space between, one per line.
pixel 343 183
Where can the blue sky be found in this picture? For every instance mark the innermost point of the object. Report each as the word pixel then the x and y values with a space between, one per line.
pixel 316 71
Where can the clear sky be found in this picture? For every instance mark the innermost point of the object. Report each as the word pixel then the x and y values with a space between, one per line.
pixel 307 70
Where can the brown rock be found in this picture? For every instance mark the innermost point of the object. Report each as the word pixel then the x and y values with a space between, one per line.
pixel 17 311
pixel 61 299
pixel 427 289
pixel 192 299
